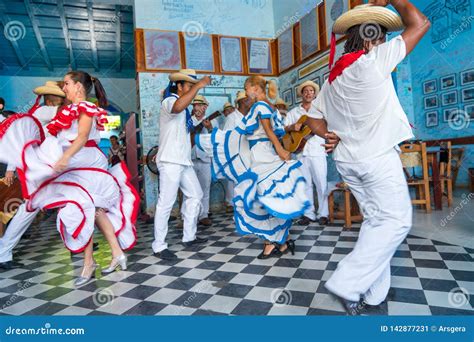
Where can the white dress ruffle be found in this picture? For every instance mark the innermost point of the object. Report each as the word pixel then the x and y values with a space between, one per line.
pixel 76 192
pixel 269 192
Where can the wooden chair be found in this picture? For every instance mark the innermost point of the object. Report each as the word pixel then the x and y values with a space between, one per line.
pixel 414 155
pixel 457 155
pixel 445 172
pixel 349 211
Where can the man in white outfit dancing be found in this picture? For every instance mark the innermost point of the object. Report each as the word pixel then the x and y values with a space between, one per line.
pixel 360 105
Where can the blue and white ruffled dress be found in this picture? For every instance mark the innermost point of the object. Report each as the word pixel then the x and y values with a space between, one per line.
pixel 269 192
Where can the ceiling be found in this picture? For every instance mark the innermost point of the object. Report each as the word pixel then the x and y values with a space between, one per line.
pixel 51 37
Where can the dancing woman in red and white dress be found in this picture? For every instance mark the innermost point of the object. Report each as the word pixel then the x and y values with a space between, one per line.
pixel 68 171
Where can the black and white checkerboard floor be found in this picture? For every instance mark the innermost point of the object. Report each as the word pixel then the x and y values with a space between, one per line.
pixel 223 277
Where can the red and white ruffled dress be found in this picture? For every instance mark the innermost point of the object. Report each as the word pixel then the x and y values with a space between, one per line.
pixel 87 184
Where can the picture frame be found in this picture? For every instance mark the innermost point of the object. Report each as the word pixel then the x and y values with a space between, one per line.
pixel 200 53
pixel 333 9
pixel 467 77
pixel 431 119
pixel 298 99
pixel 231 55
pixel 450 113
pixel 429 87
pixel 431 102
pixel 469 109
pixel 448 82
pixel 309 34
pixel 450 98
pixel 468 94
pixel 287 96
pixel 286 54
pixel 259 56
pixel 317 80
pixel 162 50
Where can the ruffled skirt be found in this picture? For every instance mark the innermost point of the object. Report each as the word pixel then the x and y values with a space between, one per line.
pixel 76 192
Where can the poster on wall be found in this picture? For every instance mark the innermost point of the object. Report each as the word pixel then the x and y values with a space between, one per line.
pixel 429 87
pixel 450 98
pixel 309 33
pixel 259 56
pixel 333 9
pixel 467 77
pixel 431 102
pixel 200 53
pixel 432 119
pixel 468 94
pixel 448 82
pixel 286 56
pixel 162 51
pixel 469 109
pixel 231 54
pixel 288 97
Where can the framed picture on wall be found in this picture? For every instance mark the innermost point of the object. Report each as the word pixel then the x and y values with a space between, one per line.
pixel 162 50
pixel 333 9
pixel 431 102
pixel 448 82
pixel 286 57
pixel 309 33
pixel 298 99
pixel 259 56
pixel 469 109
pixel 449 114
pixel 429 87
pixel 431 119
pixel 450 98
pixel 200 53
pixel 317 80
pixel 231 54
pixel 287 96
pixel 468 94
pixel 467 77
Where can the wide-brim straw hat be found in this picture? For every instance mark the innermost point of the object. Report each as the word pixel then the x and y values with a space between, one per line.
pixel 240 96
pixel 187 75
pixel 199 99
pixel 49 88
pixel 281 102
pixel 227 105
pixel 300 88
pixel 364 14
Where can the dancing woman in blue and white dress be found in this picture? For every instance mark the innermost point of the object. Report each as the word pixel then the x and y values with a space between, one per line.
pixel 270 189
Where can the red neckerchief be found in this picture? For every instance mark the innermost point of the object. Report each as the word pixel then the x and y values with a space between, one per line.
pixel 344 62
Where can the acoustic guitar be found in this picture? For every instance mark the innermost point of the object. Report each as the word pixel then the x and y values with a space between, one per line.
pixel 198 129
pixel 294 142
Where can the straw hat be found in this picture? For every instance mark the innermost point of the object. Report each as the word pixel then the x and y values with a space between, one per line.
pixel 50 88
pixel 240 96
pixel 281 102
pixel 368 14
pixel 299 90
pixel 199 99
pixel 227 105
pixel 188 75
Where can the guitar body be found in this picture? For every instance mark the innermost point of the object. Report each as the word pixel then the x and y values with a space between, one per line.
pixel 294 142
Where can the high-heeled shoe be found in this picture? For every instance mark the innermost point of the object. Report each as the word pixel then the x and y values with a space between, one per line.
pixel 290 246
pixel 275 252
pixel 116 262
pixel 88 272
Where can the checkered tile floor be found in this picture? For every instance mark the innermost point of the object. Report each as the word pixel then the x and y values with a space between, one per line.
pixel 223 277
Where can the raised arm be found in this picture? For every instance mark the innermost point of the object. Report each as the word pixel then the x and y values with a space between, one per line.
pixel 184 101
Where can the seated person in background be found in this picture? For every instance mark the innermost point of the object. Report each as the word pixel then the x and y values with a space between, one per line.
pixel 116 153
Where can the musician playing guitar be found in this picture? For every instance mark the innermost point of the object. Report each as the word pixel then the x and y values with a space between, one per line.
pixel 313 155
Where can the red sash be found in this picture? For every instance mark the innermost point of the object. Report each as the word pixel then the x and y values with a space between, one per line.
pixel 344 62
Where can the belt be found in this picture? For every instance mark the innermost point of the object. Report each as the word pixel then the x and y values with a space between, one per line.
pixel 89 143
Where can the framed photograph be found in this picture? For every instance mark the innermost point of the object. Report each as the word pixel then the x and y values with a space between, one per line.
pixel 448 99
pixel 429 87
pixel 333 9
pixel 431 102
pixel 200 53
pixel 431 119
pixel 309 33
pixel 317 80
pixel 467 77
pixel 468 94
pixel 286 56
pixel 231 54
pixel 469 109
pixel 448 82
pixel 259 56
pixel 162 50
pixel 298 99
pixel 449 114
pixel 287 96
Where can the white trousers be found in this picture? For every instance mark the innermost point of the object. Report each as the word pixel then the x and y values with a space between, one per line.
pixel 315 171
pixel 172 178
pixel 381 190
pixel 15 230
pixel 229 192
pixel 203 173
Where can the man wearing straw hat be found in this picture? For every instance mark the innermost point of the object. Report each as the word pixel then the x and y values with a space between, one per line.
pixel 360 105
pixel 313 158
pixel 202 162
pixel 174 161
pixel 282 107
pixel 53 97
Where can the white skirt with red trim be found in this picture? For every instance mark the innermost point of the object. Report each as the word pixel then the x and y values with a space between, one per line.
pixel 76 192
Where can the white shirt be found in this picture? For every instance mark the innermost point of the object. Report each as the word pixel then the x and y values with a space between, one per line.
pixel 2 117
pixel 175 141
pixel 313 146
pixel 197 153
pixel 233 120
pixel 362 107
pixel 45 114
